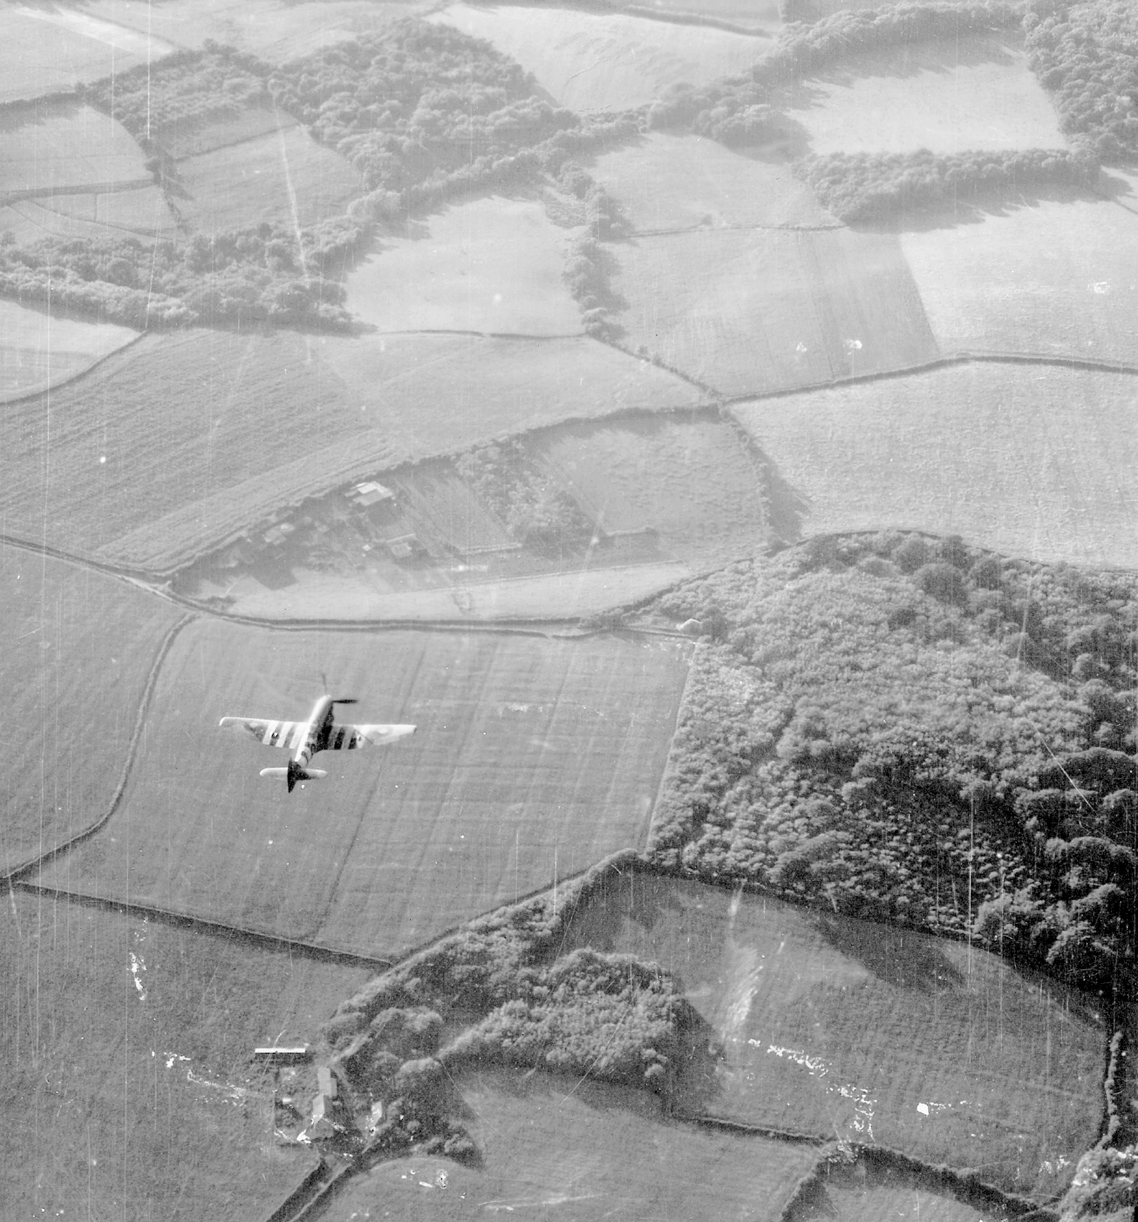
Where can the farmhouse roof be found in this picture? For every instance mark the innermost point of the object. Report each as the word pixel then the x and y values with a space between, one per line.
pixel 370 493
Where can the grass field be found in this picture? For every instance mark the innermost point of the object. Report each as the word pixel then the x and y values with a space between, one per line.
pixel 276 30
pixel 50 49
pixel 687 477
pixel 845 1028
pixel 747 14
pixel 199 429
pixel 78 650
pixel 859 1194
pixel 65 145
pixel 1032 462
pixel 143 209
pixel 669 182
pixel 192 137
pixel 761 310
pixel 533 759
pixel 283 176
pixel 606 61
pixel 1053 278
pixel 946 96
pixel 128 1091
pixel 490 265
pixel 39 350
pixel 582 1151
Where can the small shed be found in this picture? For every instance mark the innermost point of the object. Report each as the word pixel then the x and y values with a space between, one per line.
pixel 370 493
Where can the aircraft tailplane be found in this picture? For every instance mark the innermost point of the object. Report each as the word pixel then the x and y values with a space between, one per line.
pixel 294 773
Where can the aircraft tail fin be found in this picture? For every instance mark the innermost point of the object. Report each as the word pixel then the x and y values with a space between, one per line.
pixel 294 773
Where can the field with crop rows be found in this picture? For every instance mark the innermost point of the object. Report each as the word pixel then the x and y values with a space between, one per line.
pixel 78 650
pixel 606 61
pixel 748 311
pixel 490 265
pixel 1032 462
pixel 687 477
pixel 533 758
pixel 1055 278
pixel 284 177
pixel 276 30
pixel 50 49
pixel 38 350
pixel 65 145
pixel 945 96
pixel 669 182
pixel 127 1061
pixel 873 1034
pixel 592 1151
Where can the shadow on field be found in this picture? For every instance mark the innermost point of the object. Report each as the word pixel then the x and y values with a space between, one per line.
pixel 974 206
pixel 898 956
pixel 786 506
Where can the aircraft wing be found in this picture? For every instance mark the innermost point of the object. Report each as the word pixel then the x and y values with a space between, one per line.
pixel 271 733
pixel 348 738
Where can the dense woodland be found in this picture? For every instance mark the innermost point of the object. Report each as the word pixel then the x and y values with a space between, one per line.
pixel 921 732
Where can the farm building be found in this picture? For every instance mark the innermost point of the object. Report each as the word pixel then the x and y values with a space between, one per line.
pixel 323 1123
pixel 370 493
pixel 276 1056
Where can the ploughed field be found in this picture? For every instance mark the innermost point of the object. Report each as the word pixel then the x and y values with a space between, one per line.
pixel 534 758
pixel 867 1033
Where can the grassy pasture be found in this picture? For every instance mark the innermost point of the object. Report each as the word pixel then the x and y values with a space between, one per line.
pixel 1056 278
pixel 39 350
pixel 143 209
pixel 971 93
pixel 606 61
pixel 78 650
pixel 748 311
pixel 669 182
pixel 50 49
pixel 533 758
pixel 860 1194
pixel 191 138
pixel 687 477
pixel 283 175
pixel 62 146
pixel 489 265
pixel 836 1026
pixel 276 30
pixel 586 1151
pixel 1051 449
pixel 127 1049
pixel 747 14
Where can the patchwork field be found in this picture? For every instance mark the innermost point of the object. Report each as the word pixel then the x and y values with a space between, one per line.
pixel 590 1150
pixel 688 478
pixel 1053 278
pixel 1033 462
pixel 667 182
pixel 277 30
pixel 127 1048
pixel 38 350
pixel 62 146
pixel 606 61
pixel 188 438
pixel 534 758
pixel 490 265
pixel 284 176
pixel 845 1028
pixel 50 49
pixel 945 96
pixel 762 310
pixel 142 209
pixel 78 651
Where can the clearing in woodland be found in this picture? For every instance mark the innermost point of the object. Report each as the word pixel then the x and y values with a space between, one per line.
pixel 65 146
pixel 945 96
pixel 120 1031
pixel 593 1150
pixel 665 182
pixel 752 311
pixel 1054 449
pixel 47 50
pixel 845 1028
pixel 606 61
pixel 533 758
pixel 38 349
pixel 283 177
pixel 78 653
pixel 1052 278
pixel 488 265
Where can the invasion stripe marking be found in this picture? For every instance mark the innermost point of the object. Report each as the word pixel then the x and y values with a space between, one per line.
pixel 271 733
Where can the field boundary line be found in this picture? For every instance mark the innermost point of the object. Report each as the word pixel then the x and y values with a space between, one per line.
pixel 682 18
pixel 58 850
pixel 109 187
pixel 271 941
pixel 82 373
pixel 667 233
